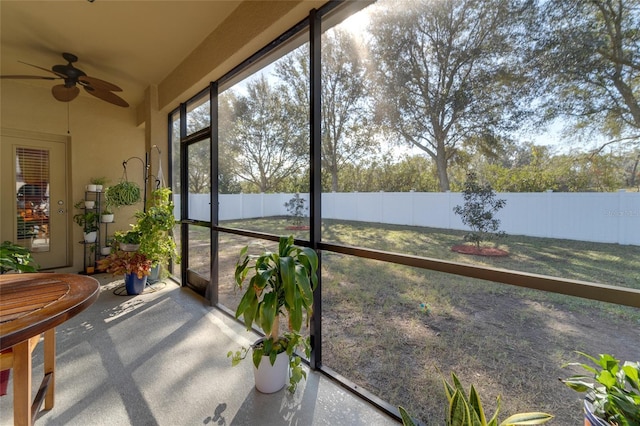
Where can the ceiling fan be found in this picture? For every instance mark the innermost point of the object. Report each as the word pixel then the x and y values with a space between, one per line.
pixel 73 77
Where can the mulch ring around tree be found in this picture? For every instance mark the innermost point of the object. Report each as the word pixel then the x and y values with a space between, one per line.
pixel 482 251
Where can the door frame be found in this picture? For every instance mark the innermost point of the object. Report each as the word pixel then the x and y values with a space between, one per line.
pixel 7 208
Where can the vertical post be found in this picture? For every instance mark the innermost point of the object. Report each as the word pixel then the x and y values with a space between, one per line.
pixel 211 293
pixel 315 189
pixel 22 383
pixel 184 197
pixel 50 366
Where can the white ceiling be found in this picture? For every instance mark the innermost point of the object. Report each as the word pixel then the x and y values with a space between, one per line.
pixel 132 44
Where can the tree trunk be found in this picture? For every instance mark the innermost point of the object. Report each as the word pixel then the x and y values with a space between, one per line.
pixel 443 177
pixel 275 328
pixel 632 181
pixel 334 179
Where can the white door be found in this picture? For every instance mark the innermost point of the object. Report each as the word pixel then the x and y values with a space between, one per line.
pixel 34 210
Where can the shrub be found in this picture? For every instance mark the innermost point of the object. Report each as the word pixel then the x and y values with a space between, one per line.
pixel 480 205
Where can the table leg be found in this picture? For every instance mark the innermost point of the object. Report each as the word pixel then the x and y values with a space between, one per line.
pixel 50 366
pixel 22 383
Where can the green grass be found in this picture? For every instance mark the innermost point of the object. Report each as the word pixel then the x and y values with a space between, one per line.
pixel 505 339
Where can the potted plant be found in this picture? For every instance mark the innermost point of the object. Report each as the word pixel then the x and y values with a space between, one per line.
pixel 156 228
pixel 612 390
pixel 98 182
pixel 88 220
pixel 467 410
pixel 16 258
pixel 134 265
pixel 128 240
pixel 124 193
pixel 107 215
pixel 280 285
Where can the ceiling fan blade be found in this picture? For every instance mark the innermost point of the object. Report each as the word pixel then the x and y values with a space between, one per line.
pixel 44 69
pixel 106 95
pixel 29 77
pixel 98 84
pixel 64 93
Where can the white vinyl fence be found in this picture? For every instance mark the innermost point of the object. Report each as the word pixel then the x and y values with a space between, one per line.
pixel 612 217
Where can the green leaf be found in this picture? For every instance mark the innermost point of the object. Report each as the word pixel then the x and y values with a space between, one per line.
pixel 295 315
pixel 534 418
pixel 287 274
pixel 248 297
pixel 257 356
pixel 459 412
pixel 607 379
pixel 632 371
pixel 406 419
pixel 476 405
pixel 268 311
pixel 250 314
pixel 304 285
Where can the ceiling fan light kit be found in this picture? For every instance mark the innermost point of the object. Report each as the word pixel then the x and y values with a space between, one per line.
pixel 74 77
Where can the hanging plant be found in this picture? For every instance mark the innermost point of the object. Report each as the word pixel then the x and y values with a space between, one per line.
pixel 124 193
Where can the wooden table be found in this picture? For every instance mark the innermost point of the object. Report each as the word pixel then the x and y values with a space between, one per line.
pixel 31 305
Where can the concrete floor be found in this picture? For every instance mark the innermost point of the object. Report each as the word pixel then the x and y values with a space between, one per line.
pixel 160 359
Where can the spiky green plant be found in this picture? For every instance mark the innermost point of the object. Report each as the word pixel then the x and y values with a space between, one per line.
pixel 468 411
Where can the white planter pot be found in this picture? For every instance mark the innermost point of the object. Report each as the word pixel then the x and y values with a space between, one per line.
pixel 105 251
pixel 129 247
pixel 106 218
pixel 90 237
pixel 89 204
pixel 98 188
pixel 271 378
pixel 91 188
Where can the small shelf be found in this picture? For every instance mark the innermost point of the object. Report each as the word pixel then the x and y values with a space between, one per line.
pixel 92 250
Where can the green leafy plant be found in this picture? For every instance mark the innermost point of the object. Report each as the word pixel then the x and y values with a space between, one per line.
pixel 99 180
pixel 467 410
pixel 281 284
pixel 87 219
pixel 614 388
pixel 124 193
pixel 480 205
pixel 132 236
pixel 16 258
pixel 156 229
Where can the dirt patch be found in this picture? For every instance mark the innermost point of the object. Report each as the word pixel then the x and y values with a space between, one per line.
pixel 482 251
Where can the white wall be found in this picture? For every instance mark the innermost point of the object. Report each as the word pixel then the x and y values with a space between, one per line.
pixel 611 217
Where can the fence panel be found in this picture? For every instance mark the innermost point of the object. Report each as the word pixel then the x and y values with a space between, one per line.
pixel 612 217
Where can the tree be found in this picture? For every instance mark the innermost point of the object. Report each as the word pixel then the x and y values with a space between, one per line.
pixel 589 54
pixel 297 209
pixel 480 205
pixel 450 71
pixel 347 133
pixel 267 135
